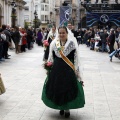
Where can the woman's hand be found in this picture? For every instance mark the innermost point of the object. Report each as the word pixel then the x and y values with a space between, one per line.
pixel 82 83
pixel 79 77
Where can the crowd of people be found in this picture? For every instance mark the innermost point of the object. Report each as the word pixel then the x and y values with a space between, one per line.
pixel 102 40
pixel 16 38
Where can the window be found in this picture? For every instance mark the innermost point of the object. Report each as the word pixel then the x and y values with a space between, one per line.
pixel 46 8
pixel 47 1
pixel 42 17
pixel 36 7
pixel 46 17
pixel 42 7
pixel 26 17
pixel 27 8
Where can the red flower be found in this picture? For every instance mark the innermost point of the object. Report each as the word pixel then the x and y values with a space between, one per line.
pixel 49 64
pixel 45 43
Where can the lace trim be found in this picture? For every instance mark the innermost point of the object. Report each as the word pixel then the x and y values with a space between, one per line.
pixel 76 61
pixel 67 50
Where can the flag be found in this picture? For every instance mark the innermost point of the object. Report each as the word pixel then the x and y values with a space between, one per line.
pixel 64 15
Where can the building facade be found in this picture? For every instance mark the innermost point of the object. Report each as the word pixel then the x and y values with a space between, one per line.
pixel 6 16
pixel 29 12
pixel 81 9
pixel 47 12
pixel 44 9
pixel 100 13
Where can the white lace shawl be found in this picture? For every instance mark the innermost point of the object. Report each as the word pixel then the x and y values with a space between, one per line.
pixel 70 45
pixel 51 33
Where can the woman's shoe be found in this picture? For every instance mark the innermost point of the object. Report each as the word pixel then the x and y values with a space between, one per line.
pixel 61 112
pixel 67 114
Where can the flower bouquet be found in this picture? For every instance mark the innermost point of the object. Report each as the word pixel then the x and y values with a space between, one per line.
pixel 45 43
pixel 48 65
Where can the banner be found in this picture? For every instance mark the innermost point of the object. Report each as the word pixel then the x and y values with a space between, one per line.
pixel 103 18
pixel 64 15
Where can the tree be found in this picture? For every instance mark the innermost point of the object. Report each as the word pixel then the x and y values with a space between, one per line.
pixel 26 24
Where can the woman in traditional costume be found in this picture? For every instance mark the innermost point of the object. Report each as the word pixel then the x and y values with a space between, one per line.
pixel 50 38
pixel 63 89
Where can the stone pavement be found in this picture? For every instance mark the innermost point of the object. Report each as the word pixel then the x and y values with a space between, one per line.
pixel 24 77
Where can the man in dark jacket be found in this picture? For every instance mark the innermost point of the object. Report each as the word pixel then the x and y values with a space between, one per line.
pixel 103 37
pixel 7 42
pixel 111 40
pixel 74 32
pixel 29 38
pixel 80 36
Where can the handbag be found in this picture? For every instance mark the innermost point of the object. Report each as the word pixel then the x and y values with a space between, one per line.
pixel 2 87
pixel 115 45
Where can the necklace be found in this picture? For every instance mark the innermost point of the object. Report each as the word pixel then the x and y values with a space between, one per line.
pixel 62 44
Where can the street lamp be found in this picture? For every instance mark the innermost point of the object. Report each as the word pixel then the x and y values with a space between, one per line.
pixel 13 13
pixel 36 16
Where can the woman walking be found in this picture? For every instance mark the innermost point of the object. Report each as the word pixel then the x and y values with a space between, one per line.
pixel 50 38
pixel 63 87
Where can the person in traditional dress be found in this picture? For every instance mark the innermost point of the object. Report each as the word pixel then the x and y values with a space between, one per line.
pixel 63 89
pixel 50 38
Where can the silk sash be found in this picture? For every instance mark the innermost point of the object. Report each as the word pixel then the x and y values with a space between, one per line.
pixel 63 56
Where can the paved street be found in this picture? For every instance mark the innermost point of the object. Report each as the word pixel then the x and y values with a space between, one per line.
pixel 23 76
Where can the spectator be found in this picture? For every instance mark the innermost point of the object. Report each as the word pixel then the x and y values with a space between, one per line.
pixel 17 37
pixel 29 38
pixel 39 38
pixel 103 37
pixel 111 40
pixel 6 42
